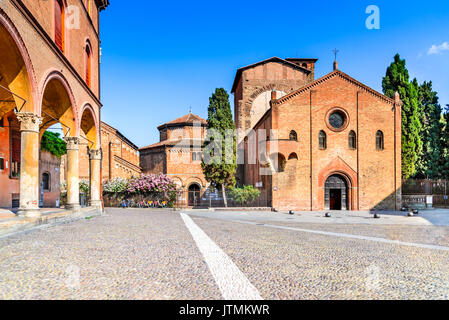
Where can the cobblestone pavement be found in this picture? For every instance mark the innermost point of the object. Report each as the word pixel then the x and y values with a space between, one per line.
pixel 144 254
pixel 130 254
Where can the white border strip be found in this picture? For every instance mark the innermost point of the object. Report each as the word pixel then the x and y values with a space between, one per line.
pixel 348 236
pixel 231 281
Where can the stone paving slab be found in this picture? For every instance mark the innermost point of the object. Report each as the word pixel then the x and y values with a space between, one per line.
pixel 340 217
pixel 126 254
pixel 150 254
pixel 284 264
pixel 17 224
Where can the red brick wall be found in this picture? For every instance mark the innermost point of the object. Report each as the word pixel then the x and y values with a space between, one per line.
pixel 75 39
pixel 50 164
pixel 120 159
pixel 265 77
pixel 371 172
pixel 7 186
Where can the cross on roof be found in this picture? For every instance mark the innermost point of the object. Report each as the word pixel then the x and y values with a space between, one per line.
pixel 335 51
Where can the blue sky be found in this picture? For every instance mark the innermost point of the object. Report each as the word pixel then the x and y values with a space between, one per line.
pixel 161 58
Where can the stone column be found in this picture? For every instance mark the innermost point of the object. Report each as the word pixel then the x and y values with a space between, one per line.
pixel 29 164
pixel 95 178
pixel 73 184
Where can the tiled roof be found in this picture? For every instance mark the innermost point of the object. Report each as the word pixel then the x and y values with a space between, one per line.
pixel 180 142
pixel 189 118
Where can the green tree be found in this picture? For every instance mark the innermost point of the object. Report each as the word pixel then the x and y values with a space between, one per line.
pixel 52 143
pixel 245 194
pixel 219 161
pixel 444 164
pixel 431 133
pixel 397 80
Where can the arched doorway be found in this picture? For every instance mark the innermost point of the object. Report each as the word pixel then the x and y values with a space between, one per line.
pixel 336 193
pixel 194 195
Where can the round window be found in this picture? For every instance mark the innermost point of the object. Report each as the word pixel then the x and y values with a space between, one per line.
pixel 337 119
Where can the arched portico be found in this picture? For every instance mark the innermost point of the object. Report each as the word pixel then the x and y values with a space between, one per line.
pixel 88 127
pixel 58 106
pixel 18 110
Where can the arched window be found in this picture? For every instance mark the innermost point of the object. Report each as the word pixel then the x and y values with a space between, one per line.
pixel 46 181
pixel 304 65
pixel 379 140
pixel 59 24
pixel 322 140
pixel 88 64
pixel 352 140
pixel 293 135
pixel 293 156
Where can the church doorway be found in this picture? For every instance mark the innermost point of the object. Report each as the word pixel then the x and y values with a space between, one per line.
pixel 194 195
pixel 336 193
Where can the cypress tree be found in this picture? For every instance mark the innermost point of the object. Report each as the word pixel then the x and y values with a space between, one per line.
pixel 444 159
pixel 431 134
pixel 219 161
pixel 397 79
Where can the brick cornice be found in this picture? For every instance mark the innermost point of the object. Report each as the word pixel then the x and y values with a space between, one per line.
pixel 336 73
pixel 127 163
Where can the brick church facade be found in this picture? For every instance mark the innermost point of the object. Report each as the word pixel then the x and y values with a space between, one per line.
pixel 326 144
pixel 178 155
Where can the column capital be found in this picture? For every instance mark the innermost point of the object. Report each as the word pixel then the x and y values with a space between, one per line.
pixel 29 121
pixel 73 143
pixel 95 154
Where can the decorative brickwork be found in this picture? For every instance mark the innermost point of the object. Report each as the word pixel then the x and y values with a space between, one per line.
pixel 372 177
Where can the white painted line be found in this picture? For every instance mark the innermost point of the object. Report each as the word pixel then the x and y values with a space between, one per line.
pixel 349 236
pixel 231 281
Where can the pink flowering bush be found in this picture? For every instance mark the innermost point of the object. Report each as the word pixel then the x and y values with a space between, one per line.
pixel 159 187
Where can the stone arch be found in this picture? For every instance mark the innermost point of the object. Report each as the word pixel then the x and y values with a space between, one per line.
pixel 197 180
pixel 337 189
pixel 259 102
pixel 57 103
pixel 88 124
pixel 21 78
pixel 178 181
pixel 194 190
pixel 339 167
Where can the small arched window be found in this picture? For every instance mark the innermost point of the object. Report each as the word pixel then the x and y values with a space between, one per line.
pixel 59 24
pixel 352 140
pixel 322 140
pixel 379 140
pixel 293 135
pixel 293 156
pixel 88 64
pixel 46 181
pixel 304 65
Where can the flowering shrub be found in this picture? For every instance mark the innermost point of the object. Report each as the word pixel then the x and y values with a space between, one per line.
pixel 159 186
pixel 116 185
pixel 154 187
pixel 84 187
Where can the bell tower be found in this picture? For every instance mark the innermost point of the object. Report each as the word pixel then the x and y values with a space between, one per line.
pixel 254 84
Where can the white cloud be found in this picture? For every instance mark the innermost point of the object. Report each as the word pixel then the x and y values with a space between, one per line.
pixel 437 49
